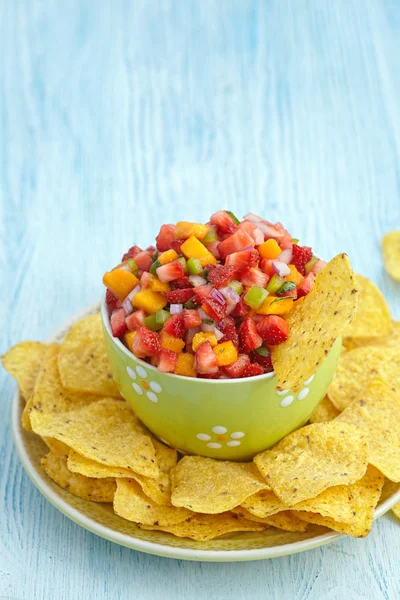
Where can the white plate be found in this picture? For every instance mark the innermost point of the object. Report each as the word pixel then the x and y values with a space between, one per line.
pixel 101 520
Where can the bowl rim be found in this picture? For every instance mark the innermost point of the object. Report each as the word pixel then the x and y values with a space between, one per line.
pixel 241 380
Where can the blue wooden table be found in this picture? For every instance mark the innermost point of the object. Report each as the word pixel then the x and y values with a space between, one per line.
pixel 117 116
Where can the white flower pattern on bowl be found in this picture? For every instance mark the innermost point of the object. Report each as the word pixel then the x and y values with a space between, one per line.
pixel 288 399
pixel 221 435
pixel 141 386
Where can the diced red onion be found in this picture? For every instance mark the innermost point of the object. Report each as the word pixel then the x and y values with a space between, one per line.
pixel 218 334
pixel 176 309
pixel 127 303
pixel 258 236
pixel 269 231
pixel 208 326
pixel 285 256
pixel 231 296
pixel 196 280
pixel 216 294
pixel 203 315
pixel 252 218
pixel 124 268
pixel 280 268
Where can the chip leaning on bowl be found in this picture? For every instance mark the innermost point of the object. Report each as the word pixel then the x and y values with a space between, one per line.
pixel 330 472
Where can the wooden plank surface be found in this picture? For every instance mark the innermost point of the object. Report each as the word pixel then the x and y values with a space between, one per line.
pixel 118 116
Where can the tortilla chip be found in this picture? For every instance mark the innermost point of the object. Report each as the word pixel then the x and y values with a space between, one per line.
pixel 391 253
pixel 23 363
pixel 315 323
pixel 158 490
pixel 287 520
pixel 210 486
pixel 314 458
pixel 372 316
pixel 377 412
pixel 207 527
pixel 106 431
pixel 263 504
pixel 132 504
pixel 57 448
pixel 83 362
pixel 25 418
pixel 325 411
pixel 388 341
pixel 396 510
pixel 357 368
pixel 97 490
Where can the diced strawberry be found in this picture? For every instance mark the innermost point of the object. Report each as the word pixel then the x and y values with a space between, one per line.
pixel 179 296
pixel 252 370
pixel 241 309
pixel 165 237
pixel 318 266
pixel 135 320
pixel 145 279
pixel 249 338
pixel 254 276
pixel 230 332
pixel 215 375
pixel 219 275
pixel 117 322
pixel 264 361
pixel 176 245
pixel 284 238
pixel 206 361
pixel 112 301
pixel 291 293
pixel 183 283
pixel 243 259
pixel 237 368
pixel 189 335
pixel 191 318
pixel 166 361
pixel 132 252
pixel 223 222
pixel 151 250
pixel 170 271
pixel 248 227
pixel 214 309
pixel 266 267
pixel 146 343
pixel 306 285
pixel 174 326
pixel 301 255
pixel 143 260
pixel 213 248
pixel 235 242
pixel 201 292
pixel 273 329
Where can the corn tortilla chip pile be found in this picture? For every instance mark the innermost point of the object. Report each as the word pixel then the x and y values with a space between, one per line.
pixel 391 253
pixel 330 472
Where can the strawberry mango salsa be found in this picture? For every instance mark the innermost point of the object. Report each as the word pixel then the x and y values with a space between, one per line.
pixel 210 300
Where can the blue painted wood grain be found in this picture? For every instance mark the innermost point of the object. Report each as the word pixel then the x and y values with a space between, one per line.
pixel 117 116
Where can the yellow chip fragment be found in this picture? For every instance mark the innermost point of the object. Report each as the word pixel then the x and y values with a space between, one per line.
pixel 325 411
pixel 83 362
pixel 210 486
pixel 387 341
pixel 263 504
pixel 97 490
pixel 372 317
pixel 391 253
pixel 315 323
pixel 285 520
pixel 132 504
pixel 377 412
pixel 314 458
pixel 358 367
pixel 23 362
pixel 207 527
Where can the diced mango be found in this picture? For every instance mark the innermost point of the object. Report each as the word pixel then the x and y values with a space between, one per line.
pixel 158 286
pixel 226 353
pixel 275 306
pixel 295 276
pixel 149 301
pixel 185 365
pixel 167 256
pixel 192 248
pixel 129 338
pixel 203 336
pixel 120 282
pixel 184 230
pixel 171 343
pixel 269 249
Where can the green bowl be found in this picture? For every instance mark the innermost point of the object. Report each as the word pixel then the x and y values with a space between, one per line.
pixel 231 419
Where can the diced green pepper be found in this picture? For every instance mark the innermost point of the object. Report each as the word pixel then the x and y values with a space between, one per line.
pixel 310 264
pixel 232 216
pixel 286 287
pixel 236 286
pixel 132 265
pixel 275 283
pixel 194 266
pixel 210 237
pixel 295 241
pixel 151 323
pixel 262 351
pixel 154 267
pixel 183 262
pixel 162 316
pixel 255 296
